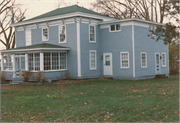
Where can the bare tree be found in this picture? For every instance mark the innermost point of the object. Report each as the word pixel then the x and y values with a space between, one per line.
pixel 61 3
pixel 10 12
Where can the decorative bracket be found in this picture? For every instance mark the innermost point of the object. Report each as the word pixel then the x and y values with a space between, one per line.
pixel 24 27
pixel 63 21
pixel 37 25
pixel 89 20
pixel 80 19
pixel 47 23
pixel 75 19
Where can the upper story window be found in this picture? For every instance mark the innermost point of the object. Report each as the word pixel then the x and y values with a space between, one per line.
pixel 92 33
pixel 152 28
pixel 115 27
pixel 124 59
pixel 163 59
pixel 28 37
pixel 45 34
pixel 143 60
pixel 62 34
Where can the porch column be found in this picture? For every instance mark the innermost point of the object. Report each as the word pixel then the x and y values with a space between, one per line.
pixel 26 61
pixel 2 63
pixel 14 65
pixel 41 61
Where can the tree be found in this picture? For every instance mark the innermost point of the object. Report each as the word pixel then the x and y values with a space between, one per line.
pixel 152 10
pixel 10 13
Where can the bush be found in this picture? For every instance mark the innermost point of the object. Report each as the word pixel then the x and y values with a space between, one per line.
pixel 3 76
pixel 26 75
pixel 67 76
pixel 40 77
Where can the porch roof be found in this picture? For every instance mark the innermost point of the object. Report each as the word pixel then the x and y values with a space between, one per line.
pixel 37 47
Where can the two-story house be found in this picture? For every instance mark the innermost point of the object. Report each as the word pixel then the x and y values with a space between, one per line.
pixel 85 44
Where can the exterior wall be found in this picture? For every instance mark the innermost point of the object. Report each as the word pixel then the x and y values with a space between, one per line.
pixel 86 46
pixel 116 42
pixel 143 43
pixel 7 74
pixel 20 38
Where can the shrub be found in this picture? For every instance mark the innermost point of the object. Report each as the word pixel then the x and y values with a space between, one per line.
pixel 67 76
pixel 3 76
pixel 40 77
pixel 26 75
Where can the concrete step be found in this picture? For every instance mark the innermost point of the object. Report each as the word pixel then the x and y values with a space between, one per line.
pixel 16 81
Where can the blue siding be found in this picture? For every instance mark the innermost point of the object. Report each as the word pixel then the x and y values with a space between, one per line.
pixel 86 46
pixel 20 38
pixel 36 36
pixel 117 42
pixel 150 46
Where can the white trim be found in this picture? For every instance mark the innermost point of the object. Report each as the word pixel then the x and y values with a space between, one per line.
pixel 78 50
pixel 133 49
pixel 115 27
pixel 164 59
pixel 59 28
pixel 26 62
pixel 168 57
pixel 2 62
pixel 159 63
pixel 35 49
pixel 145 59
pixel 131 19
pixel 94 33
pixel 41 61
pixel 68 15
pixel 43 39
pixel 121 59
pixel 14 64
pixel 111 61
pixel 90 60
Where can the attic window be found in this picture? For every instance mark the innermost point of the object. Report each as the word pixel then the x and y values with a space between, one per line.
pixel 115 27
pixel 45 34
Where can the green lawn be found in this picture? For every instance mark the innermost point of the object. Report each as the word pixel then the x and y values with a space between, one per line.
pixel 92 101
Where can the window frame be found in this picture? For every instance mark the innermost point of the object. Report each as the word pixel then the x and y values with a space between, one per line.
pixel 164 59
pixel 115 28
pixel 43 39
pixel 94 33
pixel 121 59
pixel 142 59
pixel 30 37
pixel 90 51
pixel 34 65
pixel 58 62
pixel 8 64
pixel 60 26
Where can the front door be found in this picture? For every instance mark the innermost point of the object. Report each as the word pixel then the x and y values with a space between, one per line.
pixel 19 64
pixel 107 61
pixel 157 63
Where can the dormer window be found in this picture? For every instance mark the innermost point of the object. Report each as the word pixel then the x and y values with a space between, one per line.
pixel 45 34
pixel 115 27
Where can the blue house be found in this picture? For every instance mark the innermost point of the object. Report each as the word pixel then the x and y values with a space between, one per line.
pixel 85 44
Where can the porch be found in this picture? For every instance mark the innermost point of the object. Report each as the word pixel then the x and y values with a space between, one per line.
pixel 40 57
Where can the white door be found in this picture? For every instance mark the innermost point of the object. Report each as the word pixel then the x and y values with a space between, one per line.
pixel 20 64
pixel 157 63
pixel 107 61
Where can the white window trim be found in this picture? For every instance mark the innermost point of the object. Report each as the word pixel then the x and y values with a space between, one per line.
pixel 115 28
pixel 121 59
pixel 145 59
pixel 162 59
pixel 60 26
pixel 30 37
pixel 90 60
pixel 94 33
pixel 43 35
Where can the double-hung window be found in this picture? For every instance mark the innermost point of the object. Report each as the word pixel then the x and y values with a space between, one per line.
pixel 28 37
pixel 62 34
pixel 55 61
pixel 163 59
pixel 115 27
pixel 45 34
pixel 124 56
pixel 8 62
pixel 34 61
pixel 92 33
pixel 143 60
pixel 92 56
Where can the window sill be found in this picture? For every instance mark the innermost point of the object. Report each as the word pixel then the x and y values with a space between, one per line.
pixel 143 67
pixel 62 42
pixel 115 31
pixel 45 40
pixel 124 67
pixel 92 41
pixel 93 69
pixel 163 66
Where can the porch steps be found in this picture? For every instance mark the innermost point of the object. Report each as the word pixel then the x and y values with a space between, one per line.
pixel 16 81
pixel 160 76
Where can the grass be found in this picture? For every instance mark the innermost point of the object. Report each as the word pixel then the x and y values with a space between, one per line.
pixel 93 101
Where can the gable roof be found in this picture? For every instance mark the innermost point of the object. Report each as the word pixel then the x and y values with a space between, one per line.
pixel 66 10
pixel 42 46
